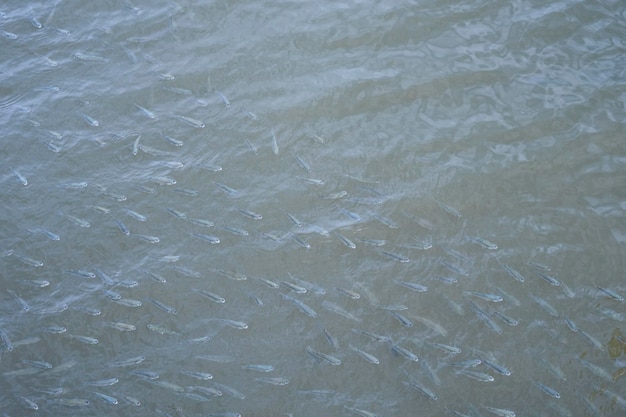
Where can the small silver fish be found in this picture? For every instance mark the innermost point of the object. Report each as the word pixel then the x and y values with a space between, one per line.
pixel 484 242
pixel 145 112
pixel 193 122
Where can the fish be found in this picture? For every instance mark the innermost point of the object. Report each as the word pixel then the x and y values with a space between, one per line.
pixel 299 241
pixel 250 214
pixel 508 320
pixel 374 242
pixel 313 181
pixel 484 317
pixel 198 375
pixel 330 306
pixel 168 386
pixel 332 340
pixel 552 368
pixel 235 230
pixel 548 278
pixel 484 296
pixel 273 380
pixel 368 357
pixel 235 276
pixel 396 256
pixel 386 221
pixel 403 320
pixel 206 390
pixel 570 323
pixel 157 328
pixel 23 304
pixel 540 266
pixel 50 390
pixel 148 238
pixel 373 336
pixel 223 98
pixel 547 390
pixel 275 148
pixel 38 364
pixel 89 120
pixel 610 293
pixel 177 90
pixel 8 345
pixel 171 140
pixel 234 323
pixel 322 357
pixel 85 339
pixel 106 398
pixel 421 389
pixel 449 209
pixel 432 325
pixel 483 242
pixel 258 368
pixel 502 412
pixel 207 238
pixel 167 308
pixel 123 327
pixel 597 370
pixel 453 350
pixel 294 219
pixel 82 273
pixel 21 178
pixel 294 287
pixel 154 276
pixel 545 305
pixel 193 122
pixel 135 360
pixel 88 310
pixel 512 272
pixel 269 283
pixel 122 226
pixel 478 376
pixel 176 213
pixel 73 185
pixel 131 400
pixel 470 363
pixel 349 293
pixel 252 147
pixel 88 57
pixel 137 216
pixel 301 306
pixel 444 279
pixel 101 209
pixel 412 286
pixel 71 402
pixel 309 286
pixel 228 190
pixel 106 279
pixel 399 350
pixel 230 391
pixel 78 221
pixel 345 240
pixel 361 412
pixel 103 382
pixel 202 222
pixel 145 112
pixel 145 374
pixel 354 216
pixel 303 164
pixel 211 296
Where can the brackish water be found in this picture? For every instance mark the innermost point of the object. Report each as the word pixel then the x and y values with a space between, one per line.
pixel 192 187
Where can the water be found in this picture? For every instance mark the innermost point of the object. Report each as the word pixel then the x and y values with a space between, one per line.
pixel 413 124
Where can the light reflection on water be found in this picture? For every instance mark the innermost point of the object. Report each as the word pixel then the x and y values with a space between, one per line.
pixel 401 130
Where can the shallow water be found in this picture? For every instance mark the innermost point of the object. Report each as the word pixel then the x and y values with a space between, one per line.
pixel 416 126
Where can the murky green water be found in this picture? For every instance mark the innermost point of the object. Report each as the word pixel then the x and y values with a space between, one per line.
pixel 406 164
